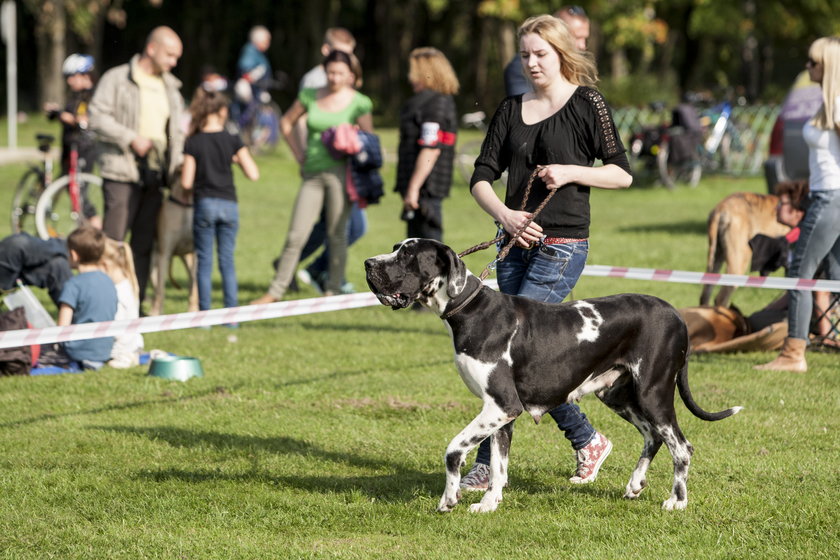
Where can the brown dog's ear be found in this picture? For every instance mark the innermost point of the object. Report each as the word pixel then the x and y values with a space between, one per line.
pixel 454 269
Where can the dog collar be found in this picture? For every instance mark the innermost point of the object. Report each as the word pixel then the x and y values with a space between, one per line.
pixel 463 304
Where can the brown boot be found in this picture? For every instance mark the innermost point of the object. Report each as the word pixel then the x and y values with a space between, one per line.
pixel 791 358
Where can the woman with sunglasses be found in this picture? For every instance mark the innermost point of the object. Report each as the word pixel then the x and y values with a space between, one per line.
pixel 819 236
pixel 557 131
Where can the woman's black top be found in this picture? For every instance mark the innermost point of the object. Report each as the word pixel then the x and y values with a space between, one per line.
pixel 577 134
pixel 427 120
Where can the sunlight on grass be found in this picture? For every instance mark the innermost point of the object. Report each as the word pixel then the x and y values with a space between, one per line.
pixel 322 436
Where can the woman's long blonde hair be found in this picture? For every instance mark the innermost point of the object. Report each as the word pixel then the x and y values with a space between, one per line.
pixel 118 256
pixel 577 66
pixel 430 67
pixel 826 51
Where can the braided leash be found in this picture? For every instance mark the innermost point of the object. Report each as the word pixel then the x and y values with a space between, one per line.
pixel 506 249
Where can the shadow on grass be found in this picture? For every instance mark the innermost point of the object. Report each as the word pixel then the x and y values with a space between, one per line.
pixel 351 326
pixel 356 372
pixel 680 228
pixel 108 408
pixel 398 484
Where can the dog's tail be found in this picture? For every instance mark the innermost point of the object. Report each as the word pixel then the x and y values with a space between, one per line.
pixel 685 393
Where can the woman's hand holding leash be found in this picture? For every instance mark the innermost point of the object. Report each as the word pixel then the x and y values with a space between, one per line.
pixel 514 220
pixel 555 175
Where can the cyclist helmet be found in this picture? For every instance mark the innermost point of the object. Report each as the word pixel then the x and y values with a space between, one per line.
pixel 77 64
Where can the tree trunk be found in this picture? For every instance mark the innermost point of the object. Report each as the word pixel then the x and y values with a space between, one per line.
pixel 507 41
pixel 50 31
pixel 619 64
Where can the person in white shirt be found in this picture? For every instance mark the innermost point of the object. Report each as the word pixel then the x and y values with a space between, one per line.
pixel 820 228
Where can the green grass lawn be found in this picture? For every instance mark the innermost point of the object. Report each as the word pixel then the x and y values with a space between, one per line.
pixel 322 436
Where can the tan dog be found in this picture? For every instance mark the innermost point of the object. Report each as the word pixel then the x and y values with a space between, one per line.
pixel 732 223
pixel 173 238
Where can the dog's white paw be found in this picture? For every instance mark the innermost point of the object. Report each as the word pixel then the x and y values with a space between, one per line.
pixel 632 492
pixel 673 503
pixel 448 503
pixel 487 504
pixel 481 508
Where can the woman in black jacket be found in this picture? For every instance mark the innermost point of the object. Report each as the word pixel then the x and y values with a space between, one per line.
pixel 428 125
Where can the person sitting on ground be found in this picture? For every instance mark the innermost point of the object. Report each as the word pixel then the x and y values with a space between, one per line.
pixel 720 329
pixel 118 264
pixel 88 297
pixel 35 262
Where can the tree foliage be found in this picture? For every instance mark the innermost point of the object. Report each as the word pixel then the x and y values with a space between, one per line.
pixel 753 47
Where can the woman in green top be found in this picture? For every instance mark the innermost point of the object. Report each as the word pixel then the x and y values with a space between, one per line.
pixel 323 176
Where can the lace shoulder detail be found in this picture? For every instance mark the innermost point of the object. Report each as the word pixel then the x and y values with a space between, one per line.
pixel 604 123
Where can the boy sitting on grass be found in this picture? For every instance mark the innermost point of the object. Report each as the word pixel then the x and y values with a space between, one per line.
pixel 88 297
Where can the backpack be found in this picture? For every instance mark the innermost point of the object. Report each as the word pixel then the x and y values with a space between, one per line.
pixel 18 360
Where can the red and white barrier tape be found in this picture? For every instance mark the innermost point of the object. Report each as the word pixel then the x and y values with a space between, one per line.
pixel 686 277
pixel 9 339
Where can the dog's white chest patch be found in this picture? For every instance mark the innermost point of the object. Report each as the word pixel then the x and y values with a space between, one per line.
pixel 592 322
pixel 474 373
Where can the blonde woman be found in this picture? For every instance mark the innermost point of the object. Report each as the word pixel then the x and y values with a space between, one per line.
pixel 428 128
pixel 323 176
pixel 819 235
pixel 559 130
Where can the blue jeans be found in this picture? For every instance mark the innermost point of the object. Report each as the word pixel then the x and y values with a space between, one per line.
pixel 546 273
pixel 356 228
pixel 219 218
pixel 819 238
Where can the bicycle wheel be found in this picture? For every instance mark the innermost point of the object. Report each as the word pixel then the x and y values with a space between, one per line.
pixel 29 188
pixel 54 213
pixel 264 132
pixel 671 173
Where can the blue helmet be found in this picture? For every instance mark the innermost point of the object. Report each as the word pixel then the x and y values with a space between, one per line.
pixel 77 64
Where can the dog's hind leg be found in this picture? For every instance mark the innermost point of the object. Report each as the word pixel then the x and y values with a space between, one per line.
pixel 738 256
pixel 499 455
pixel 621 398
pixel 714 259
pixel 160 271
pixel 189 261
pixel 491 419
pixel 652 443
pixel 681 451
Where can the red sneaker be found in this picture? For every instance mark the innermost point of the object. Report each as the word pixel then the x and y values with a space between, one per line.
pixel 590 458
pixel 478 479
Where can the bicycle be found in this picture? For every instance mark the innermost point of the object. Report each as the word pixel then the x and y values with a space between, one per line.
pixel 259 123
pixel 69 201
pixel 467 152
pixel 31 186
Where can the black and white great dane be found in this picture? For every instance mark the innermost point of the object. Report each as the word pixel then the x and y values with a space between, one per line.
pixel 517 355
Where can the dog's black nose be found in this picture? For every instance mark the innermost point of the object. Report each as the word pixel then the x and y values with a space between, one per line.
pixel 368 264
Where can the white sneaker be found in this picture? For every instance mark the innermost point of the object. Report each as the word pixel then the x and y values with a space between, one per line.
pixel 304 277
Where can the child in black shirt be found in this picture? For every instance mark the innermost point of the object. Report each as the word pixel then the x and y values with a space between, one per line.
pixel 208 154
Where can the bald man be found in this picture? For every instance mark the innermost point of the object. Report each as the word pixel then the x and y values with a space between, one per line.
pixel 576 20
pixel 136 115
